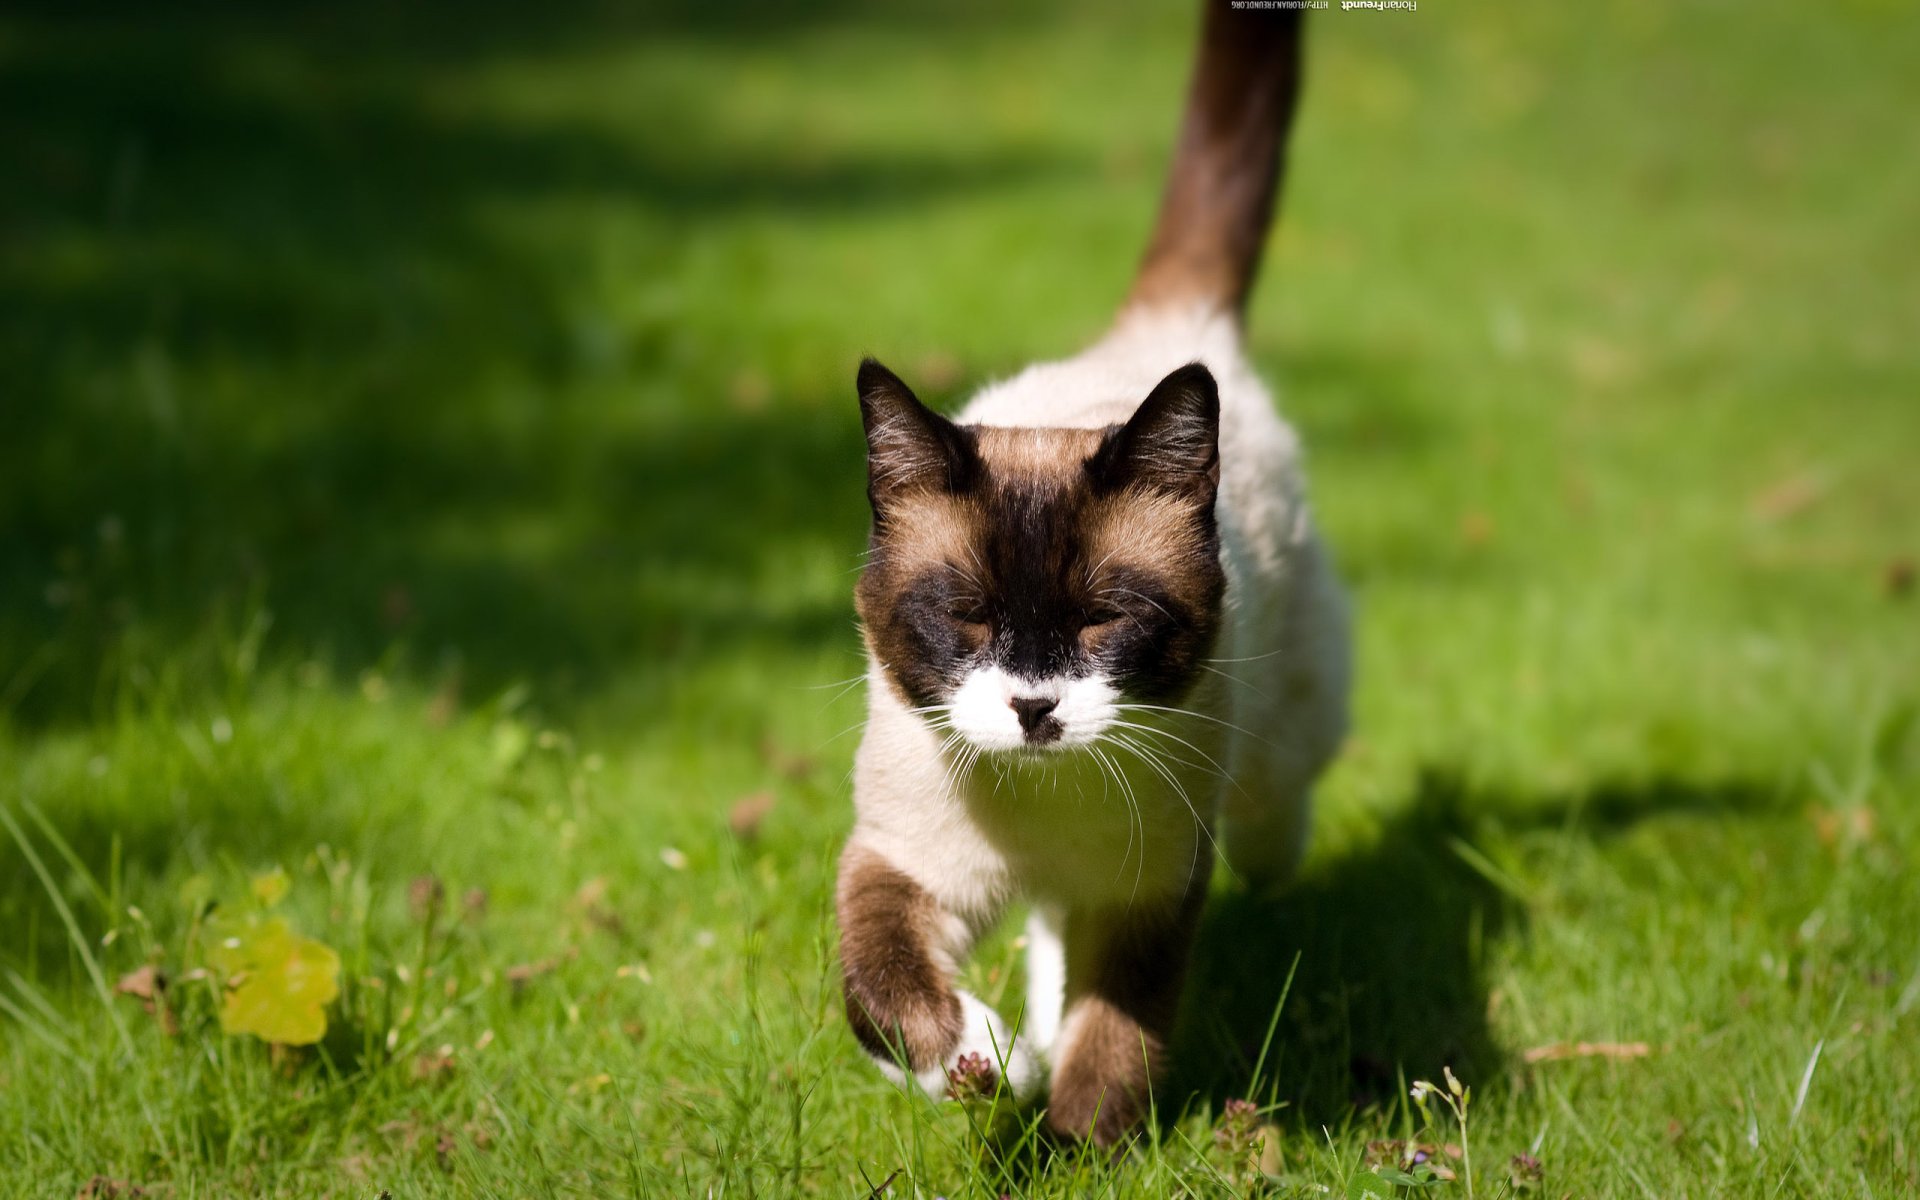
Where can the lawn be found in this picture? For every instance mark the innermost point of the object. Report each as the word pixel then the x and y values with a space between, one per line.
pixel 430 487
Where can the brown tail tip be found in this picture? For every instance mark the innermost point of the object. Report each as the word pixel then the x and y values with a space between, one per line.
pixel 1227 164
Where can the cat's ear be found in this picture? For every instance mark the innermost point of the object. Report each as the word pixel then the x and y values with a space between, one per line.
pixel 909 446
pixel 1171 443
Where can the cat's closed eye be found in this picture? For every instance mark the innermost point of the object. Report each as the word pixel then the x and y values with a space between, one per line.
pixel 1103 614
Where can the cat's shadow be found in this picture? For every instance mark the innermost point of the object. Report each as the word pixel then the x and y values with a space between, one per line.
pixel 1385 949
pixel 1375 960
pixel 1380 954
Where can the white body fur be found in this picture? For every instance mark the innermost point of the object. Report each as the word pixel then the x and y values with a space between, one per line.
pixel 1089 829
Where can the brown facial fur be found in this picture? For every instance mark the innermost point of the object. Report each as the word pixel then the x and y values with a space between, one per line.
pixel 899 1001
pixel 1044 551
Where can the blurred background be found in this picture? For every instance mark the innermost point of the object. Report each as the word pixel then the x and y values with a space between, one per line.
pixel 427 433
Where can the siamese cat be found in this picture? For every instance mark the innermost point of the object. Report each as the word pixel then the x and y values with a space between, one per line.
pixel 1103 639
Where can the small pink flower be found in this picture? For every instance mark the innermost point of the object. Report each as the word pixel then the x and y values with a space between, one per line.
pixel 971 1077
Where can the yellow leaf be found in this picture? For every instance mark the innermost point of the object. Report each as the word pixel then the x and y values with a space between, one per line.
pixel 278 982
pixel 270 887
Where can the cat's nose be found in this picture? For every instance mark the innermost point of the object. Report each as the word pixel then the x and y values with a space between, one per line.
pixel 1032 710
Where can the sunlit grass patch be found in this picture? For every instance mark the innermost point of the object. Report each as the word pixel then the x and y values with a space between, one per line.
pixel 429 477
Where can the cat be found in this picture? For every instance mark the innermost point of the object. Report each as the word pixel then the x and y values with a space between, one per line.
pixel 1099 623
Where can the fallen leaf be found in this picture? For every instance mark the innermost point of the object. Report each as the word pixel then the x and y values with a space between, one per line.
pixel 278 983
pixel 592 894
pixel 1556 1051
pixel 1781 500
pixel 1898 579
pixel 749 391
pixel 1599 363
pixel 435 1064
pixel 149 986
pixel 747 813
pixel 1476 528
pixel 785 762
pixel 102 1188
pixel 591 902
pixel 445 704
pixel 524 973
pixel 146 983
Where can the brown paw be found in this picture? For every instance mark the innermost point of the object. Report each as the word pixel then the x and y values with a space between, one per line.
pixel 920 1027
pixel 1103 1116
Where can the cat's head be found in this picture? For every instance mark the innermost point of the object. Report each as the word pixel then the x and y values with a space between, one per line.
pixel 1023 584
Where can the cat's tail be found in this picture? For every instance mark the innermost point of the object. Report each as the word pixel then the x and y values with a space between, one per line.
pixel 1227 165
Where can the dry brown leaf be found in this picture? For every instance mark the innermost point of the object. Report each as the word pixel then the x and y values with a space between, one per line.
pixel 1898 579
pixel 1599 363
pixel 784 762
pixel 444 705
pixel 749 391
pixel 747 814
pixel 435 1064
pixel 146 983
pixel 1854 824
pixel 522 974
pixel 1783 499
pixel 1555 1051
pixel 591 903
pixel 1476 528
pixel 102 1188
pixel 149 986
pixel 592 894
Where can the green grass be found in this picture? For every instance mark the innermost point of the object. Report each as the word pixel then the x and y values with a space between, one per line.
pixel 427 447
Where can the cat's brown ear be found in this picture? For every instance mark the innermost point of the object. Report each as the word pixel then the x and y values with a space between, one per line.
pixel 909 446
pixel 1171 443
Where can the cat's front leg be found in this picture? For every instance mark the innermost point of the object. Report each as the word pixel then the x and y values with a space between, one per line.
pixel 1124 973
pixel 898 949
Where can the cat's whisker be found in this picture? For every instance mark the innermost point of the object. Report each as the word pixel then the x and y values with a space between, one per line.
pixel 1126 591
pixel 1094 572
pixel 1212 762
pixel 860 724
pixel 845 686
pixel 1164 752
pixel 1236 680
pixel 1135 819
pixel 957 765
pixel 1198 821
pixel 1198 716
pixel 1156 731
pixel 1248 658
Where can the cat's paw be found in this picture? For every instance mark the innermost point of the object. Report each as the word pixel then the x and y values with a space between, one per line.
pixel 987 1052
